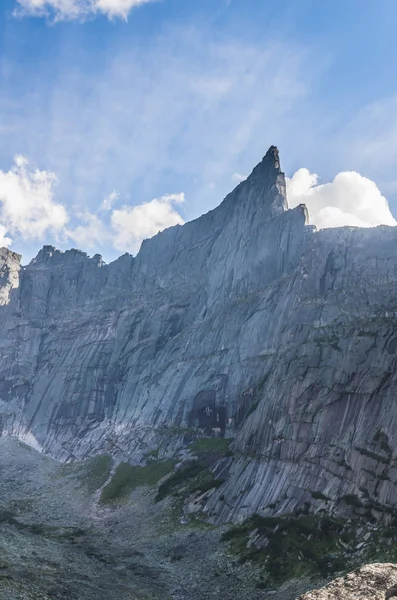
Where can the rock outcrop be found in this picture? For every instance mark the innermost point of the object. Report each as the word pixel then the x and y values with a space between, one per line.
pixel 246 323
pixel 371 582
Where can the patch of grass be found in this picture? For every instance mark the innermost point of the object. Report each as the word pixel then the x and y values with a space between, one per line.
pixel 127 478
pixel 205 486
pixel 182 476
pixel 192 477
pixel 48 531
pixel 292 545
pixel 97 472
pixel 210 445
pixel 153 454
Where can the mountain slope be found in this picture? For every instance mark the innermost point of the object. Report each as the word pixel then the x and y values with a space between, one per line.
pixel 245 323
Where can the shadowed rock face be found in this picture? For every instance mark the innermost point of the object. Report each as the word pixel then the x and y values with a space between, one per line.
pixel 245 322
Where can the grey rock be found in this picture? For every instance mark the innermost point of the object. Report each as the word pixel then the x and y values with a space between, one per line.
pixel 371 582
pixel 246 322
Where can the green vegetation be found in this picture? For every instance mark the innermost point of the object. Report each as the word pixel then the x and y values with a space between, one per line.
pixel 127 478
pixel 204 446
pixel 7 517
pixel 209 483
pixel 90 474
pixel 153 454
pixel 97 472
pixel 293 545
pixel 305 544
pixel 193 477
pixel 182 476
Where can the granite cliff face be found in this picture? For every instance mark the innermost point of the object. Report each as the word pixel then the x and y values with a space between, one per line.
pixel 245 323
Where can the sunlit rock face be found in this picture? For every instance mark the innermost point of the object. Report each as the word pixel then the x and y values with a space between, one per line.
pixel 371 582
pixel 9 274
pixel 245 322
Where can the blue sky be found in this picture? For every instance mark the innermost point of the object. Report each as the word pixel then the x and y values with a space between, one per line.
pixel 126 126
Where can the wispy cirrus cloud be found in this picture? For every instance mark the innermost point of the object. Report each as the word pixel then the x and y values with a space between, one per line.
pixel 370 141
pixel 190 111
pixel 110 200
pixel 77 9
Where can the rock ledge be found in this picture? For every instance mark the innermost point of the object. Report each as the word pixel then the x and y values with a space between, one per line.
pixel 371 582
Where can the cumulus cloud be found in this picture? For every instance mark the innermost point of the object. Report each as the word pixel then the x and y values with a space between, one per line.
pixel 350 199
pixel 28 212
pixel 91 233
pixel 133 224
pixel 4 240
pixel 77 9
pixel 27 208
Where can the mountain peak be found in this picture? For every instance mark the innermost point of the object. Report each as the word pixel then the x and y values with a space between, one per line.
pixel 272 157
pixel 266 184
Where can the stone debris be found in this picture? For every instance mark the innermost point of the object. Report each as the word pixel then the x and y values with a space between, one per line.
pixel 371 582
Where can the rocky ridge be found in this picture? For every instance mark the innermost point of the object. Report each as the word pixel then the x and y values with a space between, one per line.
pixel 246 324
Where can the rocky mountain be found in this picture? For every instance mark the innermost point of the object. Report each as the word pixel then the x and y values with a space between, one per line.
pixel 246 356
pixel 245 323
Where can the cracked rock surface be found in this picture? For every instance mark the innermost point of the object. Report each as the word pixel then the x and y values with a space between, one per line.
pixel 371 582
pixel 245 323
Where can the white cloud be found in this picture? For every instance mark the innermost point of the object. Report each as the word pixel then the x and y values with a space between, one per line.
pixel 238 177
pixel 4 240
pixel 28 212
pixel 77 9
pixel 27 208
pixel 133 224
pixel 350 199
pixel 109 200
pixel 93 233
pixel 153 109
pixel 118 8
